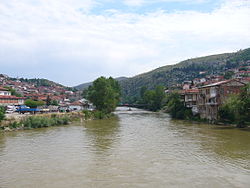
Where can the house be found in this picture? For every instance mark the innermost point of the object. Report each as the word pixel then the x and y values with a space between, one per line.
pixel 6 98
pixel 4 91
pixel 242 74
pixel 212 96
pixel 190 97
pixel 76 106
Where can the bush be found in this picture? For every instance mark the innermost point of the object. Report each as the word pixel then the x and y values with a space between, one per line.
pixel 87 114
pixel 177 110
pixel 39 122
pixel 99 114
pixel 14 125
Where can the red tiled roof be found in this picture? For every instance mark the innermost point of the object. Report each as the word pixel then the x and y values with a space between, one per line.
pixel 190 91
pixel 10 97
pixel 76 103
pixel 220 83
pixel 3 89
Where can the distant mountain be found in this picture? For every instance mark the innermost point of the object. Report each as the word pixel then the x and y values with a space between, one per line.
pixel 186 70
pixel 86 85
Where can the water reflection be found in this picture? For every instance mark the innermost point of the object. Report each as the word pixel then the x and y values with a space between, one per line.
pixel 135 149
pixel 228 143
pixel 102 133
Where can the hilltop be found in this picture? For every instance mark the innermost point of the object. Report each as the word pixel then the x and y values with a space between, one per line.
pixel 86 85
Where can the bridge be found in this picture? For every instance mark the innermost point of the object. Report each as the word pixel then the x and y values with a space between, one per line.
pixel 134 105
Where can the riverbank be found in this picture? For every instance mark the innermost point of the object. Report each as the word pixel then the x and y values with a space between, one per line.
pixel 15 122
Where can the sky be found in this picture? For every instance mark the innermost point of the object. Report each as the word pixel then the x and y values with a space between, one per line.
pixel 76 41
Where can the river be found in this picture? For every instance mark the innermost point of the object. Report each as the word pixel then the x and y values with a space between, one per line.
pixel 134 149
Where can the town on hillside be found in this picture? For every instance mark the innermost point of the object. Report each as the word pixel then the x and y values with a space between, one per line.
pixel 55 97
pixel 205 95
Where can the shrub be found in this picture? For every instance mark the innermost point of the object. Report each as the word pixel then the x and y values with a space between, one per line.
pixel 99 114
pixel 39 122
pixel 87 114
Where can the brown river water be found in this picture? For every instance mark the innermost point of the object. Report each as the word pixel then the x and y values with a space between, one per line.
pixel 134 149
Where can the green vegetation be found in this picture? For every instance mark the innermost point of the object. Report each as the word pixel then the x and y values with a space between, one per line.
pixel 40 122
pixel 176 108
pixel 33 104
pixel 2 113
pixel 54 103
pixel 97 114
pixel 186 70
pixel 228 75
pixel 237 109
pixel 154 99
pixel 104 94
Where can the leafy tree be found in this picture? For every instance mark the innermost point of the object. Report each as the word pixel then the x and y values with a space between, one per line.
pixel 159 97
pixel 2 113
pixel 237 108
pixel 48 100
pixel 228 75
pixel 153 98
pixel 105 94
pixel 54 102
pixel 33 104
pixel 175 106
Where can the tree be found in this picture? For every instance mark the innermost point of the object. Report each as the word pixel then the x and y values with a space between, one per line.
pixel 2 113
pixel 175 106
pixel 237 108
pixel 104 94
pixel 48 100
pixel 159 97
pixel 54 102
pixel 153 98
pixel 33 104
pixel 228 75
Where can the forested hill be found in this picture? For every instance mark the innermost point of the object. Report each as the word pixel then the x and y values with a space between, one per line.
pixel 186 70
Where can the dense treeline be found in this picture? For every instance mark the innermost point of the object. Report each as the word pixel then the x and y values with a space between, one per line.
pixel 152 99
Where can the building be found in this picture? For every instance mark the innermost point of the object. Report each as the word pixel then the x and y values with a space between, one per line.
pixel 190 97
pixel 4 91
pixel 76 106
pixel 6 98
pixel 212 96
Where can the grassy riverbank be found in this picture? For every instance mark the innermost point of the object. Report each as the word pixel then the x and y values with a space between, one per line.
pixel 39 121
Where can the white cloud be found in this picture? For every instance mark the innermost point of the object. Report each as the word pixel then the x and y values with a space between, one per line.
pixel 55 38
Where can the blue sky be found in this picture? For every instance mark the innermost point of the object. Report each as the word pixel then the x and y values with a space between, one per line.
pixel 145 6
pixel 76 41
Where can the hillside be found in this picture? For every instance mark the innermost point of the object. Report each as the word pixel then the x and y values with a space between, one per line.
pixel 38 82
pixel 186 70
